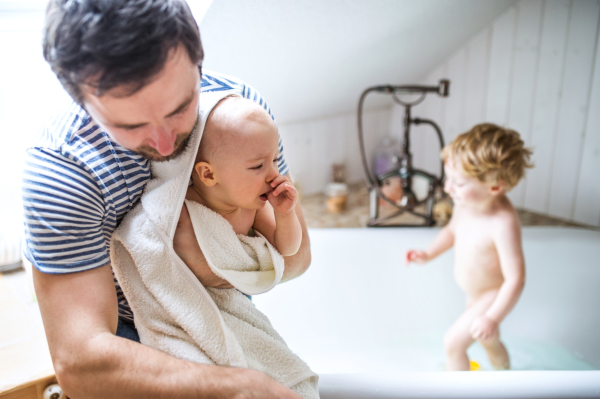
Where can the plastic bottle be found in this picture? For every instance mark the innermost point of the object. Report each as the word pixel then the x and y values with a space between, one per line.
pixel 386 155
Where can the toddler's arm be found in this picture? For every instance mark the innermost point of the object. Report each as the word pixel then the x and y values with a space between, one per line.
pixel 442 242
pixel 278 221
pixel 507 238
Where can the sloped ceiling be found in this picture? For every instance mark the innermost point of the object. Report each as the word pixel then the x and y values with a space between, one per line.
pixel 313 58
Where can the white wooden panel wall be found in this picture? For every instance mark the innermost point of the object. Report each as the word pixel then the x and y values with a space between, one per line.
pixel 576 81
pixel 476 79
pixel 311 147
pixel 545 112
pixel 455 104
pixel 588 195
pixel 535 69
pixel 523 84
pixel 500 70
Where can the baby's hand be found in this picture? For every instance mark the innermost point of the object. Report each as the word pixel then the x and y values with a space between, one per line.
pixel 417 256
pixel 483 329
pixel 284 196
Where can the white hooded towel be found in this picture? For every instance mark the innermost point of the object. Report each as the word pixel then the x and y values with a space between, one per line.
pixel 173 311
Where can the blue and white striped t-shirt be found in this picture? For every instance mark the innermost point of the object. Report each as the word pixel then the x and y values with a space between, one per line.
pixel 78 184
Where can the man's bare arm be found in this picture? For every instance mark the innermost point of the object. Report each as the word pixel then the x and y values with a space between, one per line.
pixel 80 313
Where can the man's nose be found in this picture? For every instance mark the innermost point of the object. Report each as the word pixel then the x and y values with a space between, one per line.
pixel 163 140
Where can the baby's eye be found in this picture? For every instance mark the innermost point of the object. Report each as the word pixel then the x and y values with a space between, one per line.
pixel 275 160
pixel 256 167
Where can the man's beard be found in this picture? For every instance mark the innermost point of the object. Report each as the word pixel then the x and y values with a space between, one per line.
pixel 181 143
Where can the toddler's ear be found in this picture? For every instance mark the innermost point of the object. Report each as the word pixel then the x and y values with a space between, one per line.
pixel 498 187
pixel 206 173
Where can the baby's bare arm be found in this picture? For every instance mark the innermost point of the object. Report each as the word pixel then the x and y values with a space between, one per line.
pixel 288 233
pixel 507 239
pixel 283 231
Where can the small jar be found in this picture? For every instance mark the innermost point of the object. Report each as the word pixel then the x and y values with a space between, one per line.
pixel 337 197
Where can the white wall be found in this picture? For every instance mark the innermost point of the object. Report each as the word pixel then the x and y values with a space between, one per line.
pixel 313 58
pixel 311 147
pixel 536 69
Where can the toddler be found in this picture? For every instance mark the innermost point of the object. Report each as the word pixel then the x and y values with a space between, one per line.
pixel 236 174
pixel 481 166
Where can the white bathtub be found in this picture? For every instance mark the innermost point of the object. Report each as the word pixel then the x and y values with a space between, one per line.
pixel 373 328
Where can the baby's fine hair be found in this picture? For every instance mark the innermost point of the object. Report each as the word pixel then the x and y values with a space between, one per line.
pixel 490 153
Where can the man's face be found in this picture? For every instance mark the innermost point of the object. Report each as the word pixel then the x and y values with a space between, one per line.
pixel 157 120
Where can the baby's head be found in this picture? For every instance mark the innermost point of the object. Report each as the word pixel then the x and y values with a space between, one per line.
pixel 486 160
pixel 238 154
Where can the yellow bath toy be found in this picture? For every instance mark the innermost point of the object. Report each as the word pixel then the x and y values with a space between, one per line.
pixel 474 365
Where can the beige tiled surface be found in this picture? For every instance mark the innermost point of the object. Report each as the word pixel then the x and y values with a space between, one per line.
pixel 357 213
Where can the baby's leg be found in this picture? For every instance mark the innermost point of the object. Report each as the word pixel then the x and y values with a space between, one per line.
pixel 458 337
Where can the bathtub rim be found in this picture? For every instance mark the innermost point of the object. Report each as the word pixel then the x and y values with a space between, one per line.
pixel 460 384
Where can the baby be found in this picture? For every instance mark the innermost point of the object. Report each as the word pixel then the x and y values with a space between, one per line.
pixel 481 166
pixel 236 174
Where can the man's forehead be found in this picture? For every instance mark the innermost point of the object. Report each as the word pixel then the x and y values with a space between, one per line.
pixel 179 81
pixel 115 109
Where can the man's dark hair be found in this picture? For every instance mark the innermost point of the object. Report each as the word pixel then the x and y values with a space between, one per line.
pixel 111 43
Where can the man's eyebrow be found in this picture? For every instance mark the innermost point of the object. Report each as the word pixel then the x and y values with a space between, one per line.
pixel 182 106
pixel 128 127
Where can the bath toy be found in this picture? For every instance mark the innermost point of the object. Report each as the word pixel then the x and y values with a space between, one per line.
pixel 474 366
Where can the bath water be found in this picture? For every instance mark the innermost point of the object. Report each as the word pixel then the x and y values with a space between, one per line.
pixel 532 355
pixel 426 354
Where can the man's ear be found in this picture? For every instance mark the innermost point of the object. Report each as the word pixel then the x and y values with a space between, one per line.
pixel 206 173
pixel 498 187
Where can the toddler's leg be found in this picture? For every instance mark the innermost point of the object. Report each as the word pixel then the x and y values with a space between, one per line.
pixel 496 353
pixel 456 342
pixel 458 337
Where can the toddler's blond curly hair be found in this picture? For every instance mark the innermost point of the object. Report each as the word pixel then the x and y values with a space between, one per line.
pixel 491 154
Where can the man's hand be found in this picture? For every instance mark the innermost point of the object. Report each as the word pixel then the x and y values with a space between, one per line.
pixel 256 385
pixel 186 246
pixel 417 256
pixel 484 329
pixel 284 196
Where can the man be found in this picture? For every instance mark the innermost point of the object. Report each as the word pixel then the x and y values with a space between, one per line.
pixel 132 68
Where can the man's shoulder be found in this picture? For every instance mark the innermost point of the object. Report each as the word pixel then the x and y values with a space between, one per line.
pixel 62 128
pixel 216 81
pixel 72 137
pixel 73 149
